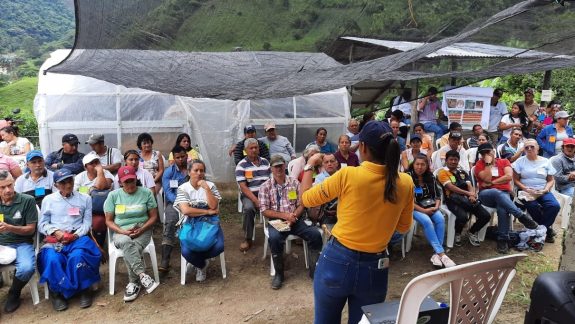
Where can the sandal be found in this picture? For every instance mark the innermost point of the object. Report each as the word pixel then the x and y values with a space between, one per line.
pixel 246 245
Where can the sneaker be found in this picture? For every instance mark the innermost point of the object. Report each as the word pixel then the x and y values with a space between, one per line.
pixel 447 262
pixel 551 232
pixel 549 239
pixel 457 239
pixel 189 268
pixel 148 283
pixel 473 239
pixel 201 273
pixel 502 247
pixel 132 291
pixel 245 245
pixel 436 261
pixel 528 222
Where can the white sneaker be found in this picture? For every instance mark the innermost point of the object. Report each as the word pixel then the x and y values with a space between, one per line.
pixel 436 261
pixel 132 291
pixel 148 283
pixel 473 239
pixel 447 262
pixel 201 273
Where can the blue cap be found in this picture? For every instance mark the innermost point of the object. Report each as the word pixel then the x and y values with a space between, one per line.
pixel 415 137
pixel 32 154
pixel 62 174
pixel 372 131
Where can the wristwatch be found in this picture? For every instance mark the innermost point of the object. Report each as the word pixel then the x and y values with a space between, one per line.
pixel 308 167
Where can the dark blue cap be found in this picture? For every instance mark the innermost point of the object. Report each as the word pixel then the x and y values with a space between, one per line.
pixel 372 131
pixel 415 137
pixel 62 174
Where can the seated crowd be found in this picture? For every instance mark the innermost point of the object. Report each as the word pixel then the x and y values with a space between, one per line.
pixel 74 200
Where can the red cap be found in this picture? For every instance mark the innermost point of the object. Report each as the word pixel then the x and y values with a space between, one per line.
pixel 569 141
pixel 126 172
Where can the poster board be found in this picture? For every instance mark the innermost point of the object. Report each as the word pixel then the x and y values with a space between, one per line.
pixel 468 106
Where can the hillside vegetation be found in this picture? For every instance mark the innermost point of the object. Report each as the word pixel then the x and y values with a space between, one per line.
pixel 20 94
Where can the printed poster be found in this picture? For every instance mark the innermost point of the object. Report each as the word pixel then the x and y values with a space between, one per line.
pixel 468 106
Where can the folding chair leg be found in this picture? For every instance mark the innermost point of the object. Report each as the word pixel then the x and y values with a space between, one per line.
pixel 450 230
pixel 112 274
pixel 34 290
pixel 183 268
pixel 223 265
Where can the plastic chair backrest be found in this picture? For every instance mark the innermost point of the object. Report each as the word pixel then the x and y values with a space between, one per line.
pixel 467 142
pixel 290 167
pixel 498 151
pixel 476 290
pixel 437 142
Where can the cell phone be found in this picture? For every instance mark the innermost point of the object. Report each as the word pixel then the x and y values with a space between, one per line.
pixel 383 263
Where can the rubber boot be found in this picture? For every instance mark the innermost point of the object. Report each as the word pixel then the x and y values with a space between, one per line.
pixel 313 259
pixel 13 301
pixel 278 279
pixel 165 263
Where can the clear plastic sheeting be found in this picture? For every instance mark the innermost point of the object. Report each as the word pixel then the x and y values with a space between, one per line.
pixel 84 105
pixel 146 44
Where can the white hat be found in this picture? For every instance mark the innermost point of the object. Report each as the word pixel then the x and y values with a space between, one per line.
pixel 89 158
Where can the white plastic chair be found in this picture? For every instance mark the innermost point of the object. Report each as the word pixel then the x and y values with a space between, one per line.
pixel 33 282
pixel 467 142
pixel 437 143
pixel 287 248
pixel 115 253
pixel 498 150
pixel 477 290
pixel 161 205
pixel 184 266
pixel 565 202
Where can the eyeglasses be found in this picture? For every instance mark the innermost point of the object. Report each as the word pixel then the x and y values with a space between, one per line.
pixel 530 147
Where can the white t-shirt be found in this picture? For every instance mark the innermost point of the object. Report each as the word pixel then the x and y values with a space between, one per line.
pixel 19 148
pixel 507 119
pixel 82 180
pixel 534 173
pixel 438 161
pixel 115 156
pixel 559 140
pixel 144 176
pixel 196 198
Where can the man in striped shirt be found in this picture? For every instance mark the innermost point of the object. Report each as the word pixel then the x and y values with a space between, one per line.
pixel 251 172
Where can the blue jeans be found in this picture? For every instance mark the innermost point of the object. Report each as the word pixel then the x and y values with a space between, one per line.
pixel 198 259
pixel 25 261
pixel 568 191
pixel 344 275
pixel 500 200
pixel 309 233
pixel 437 128
pixel 433 228
pixel 544 209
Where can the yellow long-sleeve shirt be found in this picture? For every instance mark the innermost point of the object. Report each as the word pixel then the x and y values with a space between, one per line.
pixel 365 222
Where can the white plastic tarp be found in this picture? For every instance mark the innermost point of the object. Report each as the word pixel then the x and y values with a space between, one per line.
pixel 83 105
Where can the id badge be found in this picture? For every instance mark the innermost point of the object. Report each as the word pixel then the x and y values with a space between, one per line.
pixel 73 211
pixel 452 178
pixel 418 190
pixel 383 263
pixel 552 139
pixel 542 171
pixel 343 165
pixel 120 209
pixel 1 218
pixel 173 183
pixel 84 190
pixel 249 174
pixel 39 191
pixel 292 195
pixel 494 172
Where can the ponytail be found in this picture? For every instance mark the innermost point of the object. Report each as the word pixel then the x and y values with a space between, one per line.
pixel 388 153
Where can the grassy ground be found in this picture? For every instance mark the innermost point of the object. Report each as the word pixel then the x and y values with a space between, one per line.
pixel 19 94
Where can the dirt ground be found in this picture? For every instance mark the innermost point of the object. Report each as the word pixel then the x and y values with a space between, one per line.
pixel 246 297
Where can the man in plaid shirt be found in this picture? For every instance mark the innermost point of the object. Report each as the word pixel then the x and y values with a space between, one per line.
pixel 279 199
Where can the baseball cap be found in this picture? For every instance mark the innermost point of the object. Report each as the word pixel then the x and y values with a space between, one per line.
pixel 484 147
pixel 126 172
pixel 569 141
pixel 249 128
pixel 456 135
pixel 89 158
pixel 62 174
pixel 277 160
pixel 32 154
pixel 270 125
pixel 372 131
pixel 529 90
pixel 95 138
pixel 561 114
pixel 70 139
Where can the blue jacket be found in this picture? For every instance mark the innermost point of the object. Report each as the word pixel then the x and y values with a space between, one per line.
pixel 172 173
pixel 550 133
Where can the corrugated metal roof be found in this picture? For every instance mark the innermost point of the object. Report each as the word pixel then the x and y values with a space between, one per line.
pixel 465 49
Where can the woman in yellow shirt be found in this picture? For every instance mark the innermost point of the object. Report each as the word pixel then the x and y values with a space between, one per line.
pixel 374 201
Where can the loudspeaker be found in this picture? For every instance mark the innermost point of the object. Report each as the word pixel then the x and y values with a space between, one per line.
pixel 552 299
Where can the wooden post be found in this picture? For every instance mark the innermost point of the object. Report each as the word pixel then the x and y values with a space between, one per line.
pixel 546 84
